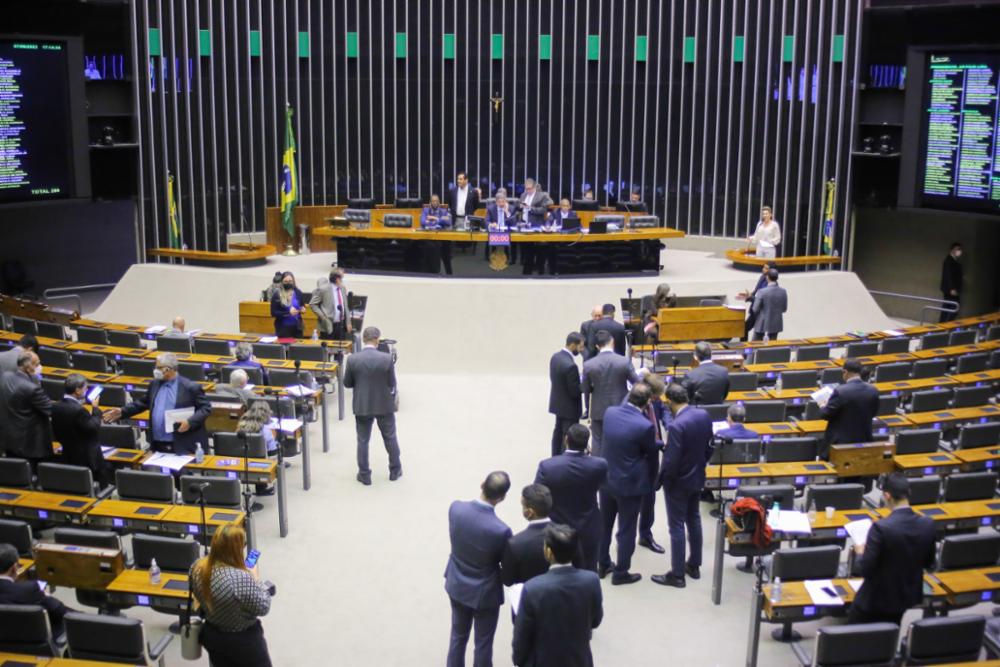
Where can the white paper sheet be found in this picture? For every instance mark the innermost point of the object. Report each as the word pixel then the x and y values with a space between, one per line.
pixel 286 425
pixel 171 417
pixel 268 339
pixel 514 596
pixel 790 521
pixel 299 390
pixel 156 328
pixel 822 597
pixel 169 461
pixel 718 426
pixel 893 332
pixel 858 530
pixel 822 395
pixel 855 584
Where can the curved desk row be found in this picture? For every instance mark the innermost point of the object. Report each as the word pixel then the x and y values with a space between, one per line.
pixel 240 254
pixel 746 260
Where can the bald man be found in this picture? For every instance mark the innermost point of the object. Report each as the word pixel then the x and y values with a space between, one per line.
pixel 176 327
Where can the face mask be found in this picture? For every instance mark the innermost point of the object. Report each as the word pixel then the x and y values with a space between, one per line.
pixel 157 374
pixel 288 286
pixel 38 372
pixel 575 352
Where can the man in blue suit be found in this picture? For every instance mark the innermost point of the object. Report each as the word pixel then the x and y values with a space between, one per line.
pixel 682 476
pixel 472 577
pixel 735 416
pixel 559 609
pixel 574 478
pixel 629 439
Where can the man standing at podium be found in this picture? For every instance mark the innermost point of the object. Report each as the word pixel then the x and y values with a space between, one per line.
pixel 463 200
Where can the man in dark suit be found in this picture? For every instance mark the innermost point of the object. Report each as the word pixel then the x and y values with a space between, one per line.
pixel 472 577
pixel 682 476
pixel 893 559
pixel 372 376
pixel 463 200
pixel 768 309
pixel 564 390
pixel 170 391
pixel 708 382
pixel 574 478
pixel 588 352
pixel 609 324
pixel 8 358
pixel 25 430
pixel 77 430
pixel 647 511
pixel 501 215
pixel 524 555
pixel 534 207
pixel 736 415
pixel 850 410
pixel 27 592
pixel 951 280
pixel 604 378
pixel 629 439
pixel 559 609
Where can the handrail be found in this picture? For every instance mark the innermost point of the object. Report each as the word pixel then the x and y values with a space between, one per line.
pixel 946 305
pixel 54 293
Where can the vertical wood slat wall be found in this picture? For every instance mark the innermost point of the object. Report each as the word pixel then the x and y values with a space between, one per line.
pixel 726 106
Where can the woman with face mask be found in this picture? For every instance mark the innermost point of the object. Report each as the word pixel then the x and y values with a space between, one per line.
pixel 286 308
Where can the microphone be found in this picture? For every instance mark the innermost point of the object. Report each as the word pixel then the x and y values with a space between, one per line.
pixel 629 290
pixel 241 434
pixel 198 487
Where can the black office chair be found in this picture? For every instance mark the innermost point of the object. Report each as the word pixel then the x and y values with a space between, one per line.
pixel 285 377
pixel 91 335
pixel 230 444
pixel 894 345
pixel 172 554
pixel 894 372
pixel 993 333
pixel 961 552
pixel 768 494
pixel 112 639
pixel 90 361
pixel 937 641
pixel 113 396
pixel 933 340
pixel 962 337
pixel 173 343
pixel 120 436
pixel 663 361
pixel 62 478
pixel 737 451
pixel 716 411
pixel 859 645
pixel 791 449
pixel 281 406
pixel 24 325
pixel 194 371
pixel 55 388
pixel 812 352
pixel 799 564
pixel 144 486
pixel 969 486
pixel 142 368
pixel 220 492
pixel 918 441
pixel 765 411
pixel 25 629
pixel 812 411
pixel 17 534
pixel 929 368
pixel 929 400
pixel 52 330
pixel 211 346
pixel 925 490
pixel 972 363
pixel 51 357
pixel 305 352
pixel 742 381
pixel 15 473
pixel 269 350
pixel 129 339
pixel 995 359
pixel 971 397
pixel 866 348
pixel 837 496
pixel 96 539
pixel 799 379
pixel 978 435
pixel 831 376
pixel 887 404
pixel 772 355
pixel 254 375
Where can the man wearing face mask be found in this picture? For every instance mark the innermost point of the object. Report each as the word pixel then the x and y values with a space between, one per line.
pixel 170 391
pixel 25 430
pixel 564 394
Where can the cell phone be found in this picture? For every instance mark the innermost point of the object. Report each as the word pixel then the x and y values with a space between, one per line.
pixel 252 557
pixel 94 393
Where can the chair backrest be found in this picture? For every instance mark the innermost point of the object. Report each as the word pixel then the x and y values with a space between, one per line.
pixel 932 340
pixel 97 539
pixel 861 349
pixel 768 494
pixel 172 554
pixel 113 396
pixel 772 355
pixel 799 379
pixel 212 346
pixel 970 397
pixel 18 534
pixel 284 377
pixel 791 449
pixel 894 372
pixel 144 485
pixel 254 375
pixel 121 436
pixel 812 352
pixel 221 491
pixel 191 370
pixel 894 345
pixel 929 368
pixel 765 411
pixel 737 451
pixel 664 360
pixel 806 563
pixel 993 333
pixel 55 388
pixel 995 359
pixel 52 357
pixel 269 350
pixel 959 552
pixel 142 368
pixel 978 435
pixel 173 343
pixel 925 490
pixel 969 486
pixel 813 411
pixel 918 441
pixel 963 337
pixel 972 363
pixel 837 496
pixel 887 404
pixel 125 339
pixel 861 645
pixel 944 640
pixel 282 406
pixel 230 444
pixel 52 330
pixel 90 361
pixel 24 325
pixel 91 335
pixel 24 628
pixel 930 399
pixel 62 478
pixel 109 638
pixel 306 352
pixel 742 381
pixel 831 376
pixel 15 473
pixel 717 411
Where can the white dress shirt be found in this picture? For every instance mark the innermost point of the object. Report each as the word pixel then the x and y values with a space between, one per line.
pixel 462 194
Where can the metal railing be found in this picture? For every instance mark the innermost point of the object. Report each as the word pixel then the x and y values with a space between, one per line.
pixel 943 305
pixel 73 293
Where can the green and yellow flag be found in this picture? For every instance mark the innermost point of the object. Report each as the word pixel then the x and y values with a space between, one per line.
pixel 173 216
pixel 289 179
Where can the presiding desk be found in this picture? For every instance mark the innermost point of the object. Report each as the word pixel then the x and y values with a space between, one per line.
pixel 699 323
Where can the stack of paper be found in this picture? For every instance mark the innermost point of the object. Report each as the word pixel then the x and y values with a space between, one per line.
pixel 822 593
pixel 286 425
pixel 822 395
pixel 718 426
pixel 268 339
pixel 790 522
pixel 168 461
pixel 299 390
pixel 893 332
pixel 155 329
pixel 858 530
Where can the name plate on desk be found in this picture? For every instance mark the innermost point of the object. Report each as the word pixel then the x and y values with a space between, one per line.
pixel 867 458
pixel 499 239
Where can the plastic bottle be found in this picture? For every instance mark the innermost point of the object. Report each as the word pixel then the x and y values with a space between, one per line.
pixel 315 335
pixel 199 454
pixel 777 384
pixel 776 590
pixel 812 512
pixel 154 573
pixel 775 510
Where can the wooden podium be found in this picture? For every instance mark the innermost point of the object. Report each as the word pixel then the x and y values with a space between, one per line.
pixel 703 323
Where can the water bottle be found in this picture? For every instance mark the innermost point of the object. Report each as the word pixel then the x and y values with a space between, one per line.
pixel 777 385
pixel 812 512
pixel 199 454
pixel 315 335
pixel 154 573
pixel 775 511
pixel 776 590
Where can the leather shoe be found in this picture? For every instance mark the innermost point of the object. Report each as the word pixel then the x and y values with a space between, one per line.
pixel 364 480
pixel 692 571
pixel 393 476
pixel 627 578
pixel 669 579
pixel 603 571
pixel 652 546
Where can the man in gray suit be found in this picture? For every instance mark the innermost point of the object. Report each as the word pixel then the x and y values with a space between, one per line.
pixel 8 359
pixel 605 376
pixel 587 353
pixel 708 382
pixel 769 305
pixel 25 428
pixel 372 376
pixel 237 387
pixel 329 303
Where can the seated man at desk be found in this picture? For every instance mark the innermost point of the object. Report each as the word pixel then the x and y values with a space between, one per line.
pixel 735 416
pixel 17 592
pixel 176 328
pixel 245 359
pixel 500 216
pixel 564 218
pixel 237 387
pixel 434 216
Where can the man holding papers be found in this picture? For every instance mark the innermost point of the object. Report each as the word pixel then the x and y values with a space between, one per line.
pixel 893 559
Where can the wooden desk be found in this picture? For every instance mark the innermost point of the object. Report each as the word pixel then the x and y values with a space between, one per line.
pixel 24 567
pixel 91 376
pixel 918 465
pixel 953 516
pixel 815 426
pixel 10 659
pixel 110 351
pixel 956 350
pixel 790 394
pixel 913 385
pixel 954 416
pixel 57 507
pixel 755 395
pixel 970 586
pixel 140 516
pixel 979 377
pixel 770 429
pixel 261 471
pixel 112 326
pixel 255 317
pixel 833 527
pixel 133 588
pixel 976 321
pixel 979 458
pixel 43 341
pixel 745 345
pixel 770 370
pixel 796 604
pixel 798 474
pixel 127 457
pixel 701 323
pixel 879 359
pixel 240 254
pixel 837 340
pixel 748 260
pixel 9 499
pixel 35 310
pixel 186 519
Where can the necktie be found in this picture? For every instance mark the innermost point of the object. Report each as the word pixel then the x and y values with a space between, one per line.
pixel 651 415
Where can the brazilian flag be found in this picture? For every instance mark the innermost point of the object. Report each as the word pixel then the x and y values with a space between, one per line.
pixel 173 215
pixel 289 179
pixel 831 191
